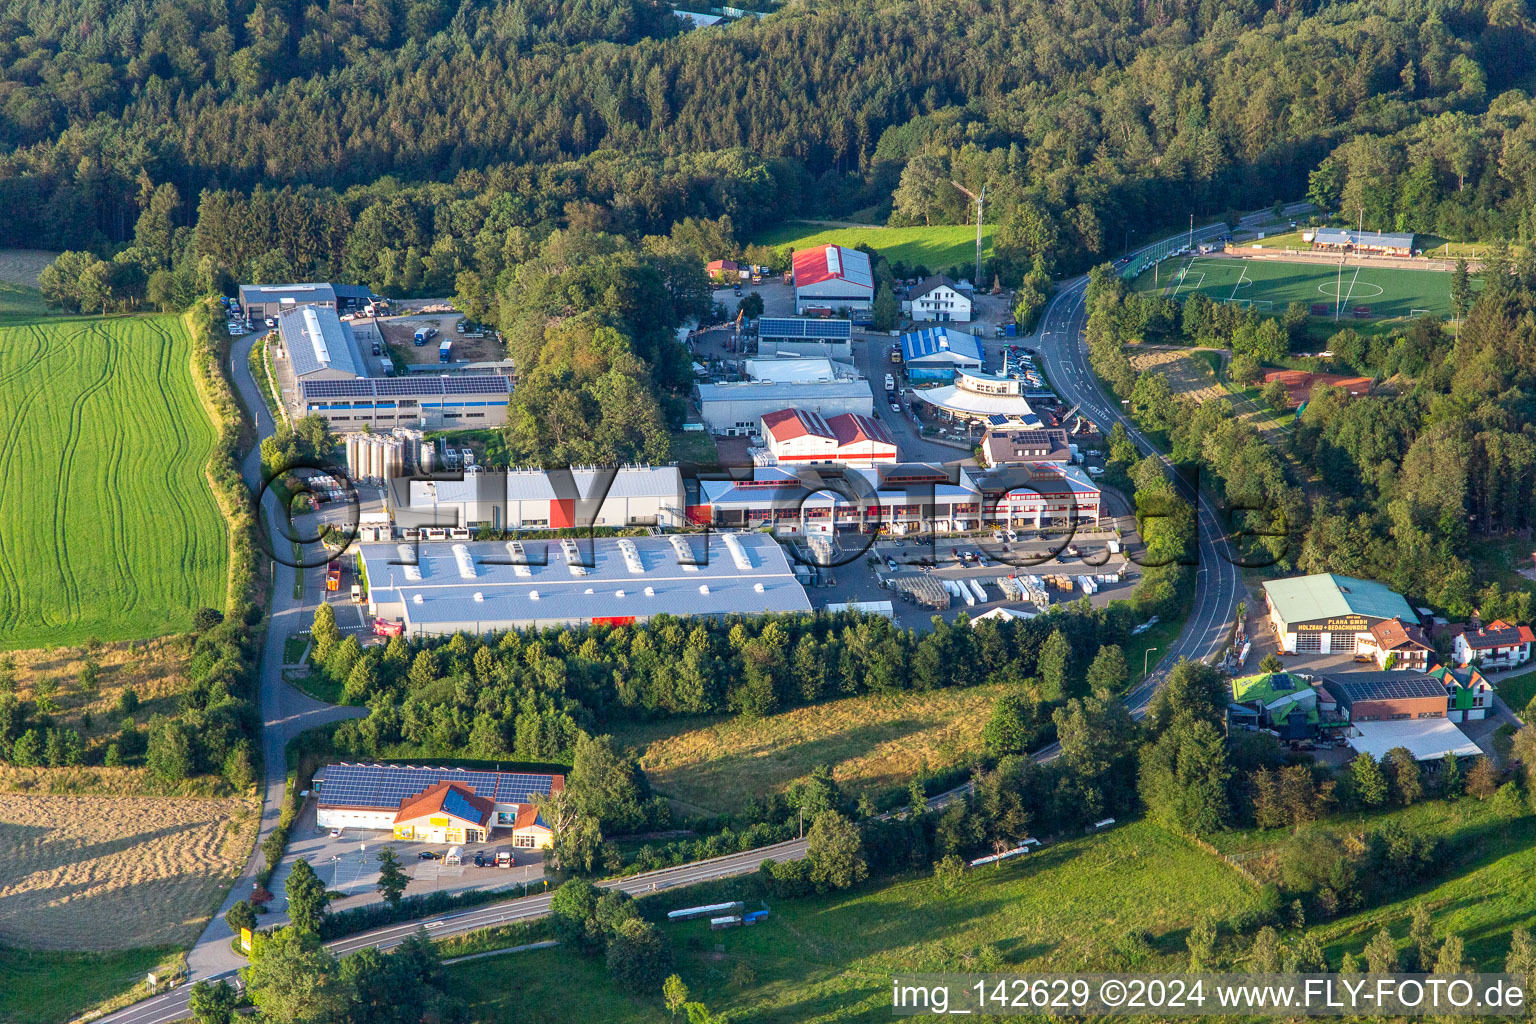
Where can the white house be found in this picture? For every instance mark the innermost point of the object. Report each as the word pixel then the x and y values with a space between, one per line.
pixel 1496 645
pixel 938 299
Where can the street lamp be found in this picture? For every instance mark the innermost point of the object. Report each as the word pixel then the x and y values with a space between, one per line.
pixel 1144 654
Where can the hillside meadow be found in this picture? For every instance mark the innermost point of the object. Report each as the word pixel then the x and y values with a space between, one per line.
pixel 938 248
pixel 829 958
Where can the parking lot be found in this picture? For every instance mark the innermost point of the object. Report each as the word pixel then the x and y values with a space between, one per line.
pixel 400 333
pixel 348 863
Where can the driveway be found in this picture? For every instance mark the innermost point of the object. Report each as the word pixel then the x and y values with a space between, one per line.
pixel 285 712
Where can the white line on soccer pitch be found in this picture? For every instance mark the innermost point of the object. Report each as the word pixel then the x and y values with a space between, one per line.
pixel 1345 301
pixel 1239 284
pixel 1184 278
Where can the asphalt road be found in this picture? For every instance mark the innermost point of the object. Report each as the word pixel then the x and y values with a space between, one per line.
pixel 1064 358
pixel 172 1006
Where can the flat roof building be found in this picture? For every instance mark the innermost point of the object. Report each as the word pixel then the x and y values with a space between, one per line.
pixel 268 300
pixel 482 587
pixel 832 277
pixel 798 371
pixel 1328 613
pixel 1428 740
pixel 805 337
pixel 738 408
pixel 420 400
pixel 538 499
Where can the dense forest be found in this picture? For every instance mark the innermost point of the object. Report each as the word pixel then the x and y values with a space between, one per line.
pixel 576 162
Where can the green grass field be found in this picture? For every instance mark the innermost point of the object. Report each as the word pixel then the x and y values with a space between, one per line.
pixel 47 988
pixel 936 248
pixel 830 958
pixel 107 526
pixel 1389 292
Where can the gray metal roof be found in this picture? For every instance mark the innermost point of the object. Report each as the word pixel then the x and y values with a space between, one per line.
pixel 787 393
pixel 548 588
pixel 296 294
pixel 316 340
pixel 1344 236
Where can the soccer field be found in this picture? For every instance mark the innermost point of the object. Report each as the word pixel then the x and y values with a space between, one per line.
pixel 107 525
pixel 1271 285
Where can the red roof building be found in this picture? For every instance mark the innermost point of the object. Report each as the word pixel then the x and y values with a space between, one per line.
pixel 832 277
pixel 849 439
pixel 1496 645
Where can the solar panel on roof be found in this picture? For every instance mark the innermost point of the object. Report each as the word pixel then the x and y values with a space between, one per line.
pixel 390 387
pixel 373 785
pixel 791 327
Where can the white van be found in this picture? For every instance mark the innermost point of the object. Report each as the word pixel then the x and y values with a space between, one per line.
pixel 890 383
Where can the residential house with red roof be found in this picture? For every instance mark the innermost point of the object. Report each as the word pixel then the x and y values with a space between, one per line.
pixel 1496 645
pixel 1396 645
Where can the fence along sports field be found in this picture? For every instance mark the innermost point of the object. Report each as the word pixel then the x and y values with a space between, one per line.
pixel 107 526
pixel 1271 285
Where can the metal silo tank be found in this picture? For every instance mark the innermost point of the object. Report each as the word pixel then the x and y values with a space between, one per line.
pixel 428 461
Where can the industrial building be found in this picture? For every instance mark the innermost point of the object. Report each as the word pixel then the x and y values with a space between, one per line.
pixel 427 402
pixel 798 371
pixel 1022 447
pixel 901 499
pixel 434 805
pixel 319 346
pixel 937 353
pixel 269 300
pixel 738 408
pixel 792 337
pixel 991 398
pixel 830 278
pixel 937 298
pixel 340 371
pixel 439 588
pixel 1387 696
pixel 538 499
pixel 1328 613
pixel 797 436
pixel 1377 243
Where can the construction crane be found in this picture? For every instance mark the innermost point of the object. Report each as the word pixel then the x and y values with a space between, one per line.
pixel 979 200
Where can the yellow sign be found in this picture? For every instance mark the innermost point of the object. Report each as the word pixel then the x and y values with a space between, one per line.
pixel 437 821
pixel 1353 624
pixel 245 939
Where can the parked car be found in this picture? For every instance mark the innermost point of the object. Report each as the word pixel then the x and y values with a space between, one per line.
pixel 426 855
pixel 271 321
pixel 335 833
pixel 479 860
pixel 896 407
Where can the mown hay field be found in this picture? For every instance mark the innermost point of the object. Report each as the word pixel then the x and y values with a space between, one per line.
pixel 874 743
pixel 103 873
pixel 1188 374
pixel 108 529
